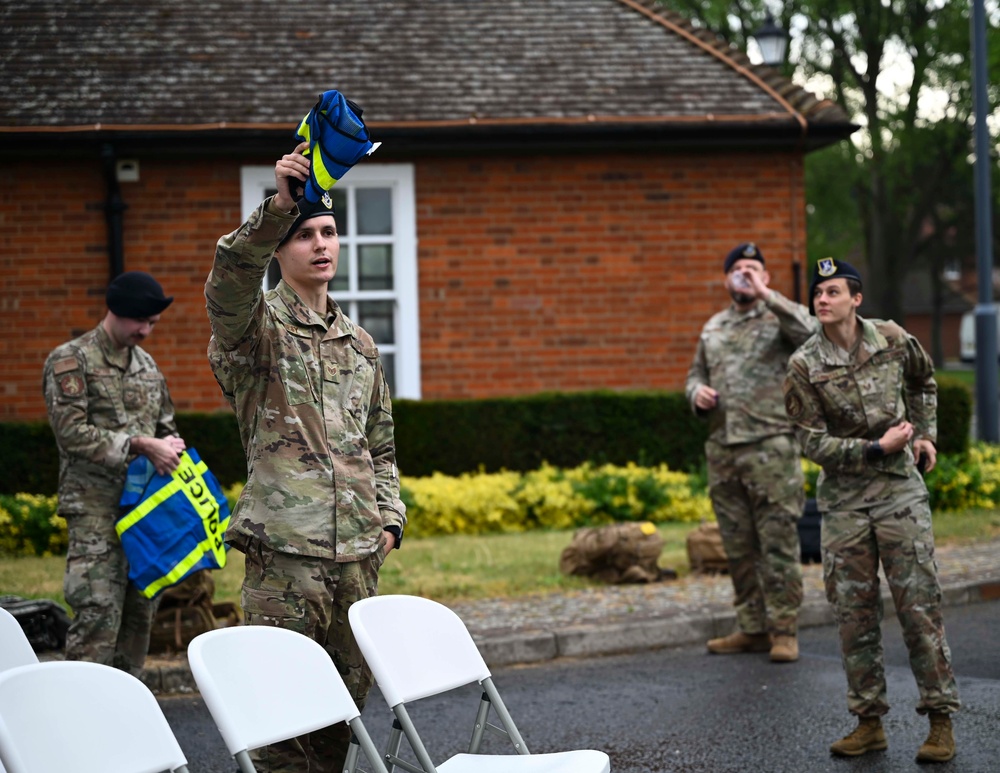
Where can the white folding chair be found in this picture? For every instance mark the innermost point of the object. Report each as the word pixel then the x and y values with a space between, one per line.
pixel 263 685
pixel 417 648
pixel 15 649
pixel 83 717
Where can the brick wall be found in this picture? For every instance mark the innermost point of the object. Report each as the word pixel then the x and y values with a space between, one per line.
pixel 536 273
pixel 569 272
pixel 54 268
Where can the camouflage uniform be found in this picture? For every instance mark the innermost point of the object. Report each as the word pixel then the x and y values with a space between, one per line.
pixel 316 424
pixel 98 399
pixel 874 509
pixel 754 466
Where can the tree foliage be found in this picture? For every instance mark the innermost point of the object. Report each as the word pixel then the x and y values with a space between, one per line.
pixel 902 187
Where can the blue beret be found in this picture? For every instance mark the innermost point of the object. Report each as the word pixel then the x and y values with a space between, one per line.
pixel 136 295
pixel 747 251
pixel 828 268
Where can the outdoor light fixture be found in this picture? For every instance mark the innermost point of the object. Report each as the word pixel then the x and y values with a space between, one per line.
pixel 772 42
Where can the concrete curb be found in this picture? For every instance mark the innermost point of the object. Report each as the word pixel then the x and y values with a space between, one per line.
pixel 173 676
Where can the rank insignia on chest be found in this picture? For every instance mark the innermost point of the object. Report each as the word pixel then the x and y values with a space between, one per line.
pixel 71 385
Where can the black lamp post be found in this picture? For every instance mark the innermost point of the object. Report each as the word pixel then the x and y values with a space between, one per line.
pixel 772 42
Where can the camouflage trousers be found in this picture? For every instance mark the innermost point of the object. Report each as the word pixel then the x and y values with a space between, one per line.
pixel 311 595
pixel 897 533
pixel 111 619
pixel 758 494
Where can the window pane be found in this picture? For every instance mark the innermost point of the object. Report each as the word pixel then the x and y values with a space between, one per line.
pixel 374 266
pixel 374 210
pixel 340 210
pixel 389 368
pixel 377 318
pixel 341 281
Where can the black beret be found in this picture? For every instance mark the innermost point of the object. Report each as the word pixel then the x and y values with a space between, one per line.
pixel 828 268
pixel 309 209
pixel 136 295
pixel 748 251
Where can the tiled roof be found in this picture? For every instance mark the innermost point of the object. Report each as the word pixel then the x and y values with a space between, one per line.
pixel 260 64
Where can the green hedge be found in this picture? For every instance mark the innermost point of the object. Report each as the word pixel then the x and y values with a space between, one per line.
pixel 954 417
pixel 456 436
pixel 563 429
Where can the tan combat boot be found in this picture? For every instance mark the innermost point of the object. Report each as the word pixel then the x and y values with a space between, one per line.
pixel 739 642
pixel 940 743
pixel 868 736
pixel 784 648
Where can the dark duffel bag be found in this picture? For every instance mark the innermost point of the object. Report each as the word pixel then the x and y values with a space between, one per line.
pixel 809 530
pixel 43 621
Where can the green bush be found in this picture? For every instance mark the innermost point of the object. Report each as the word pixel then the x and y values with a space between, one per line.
pixel 458 436
pixel 954 415
pixel 29 526
pixel 562 429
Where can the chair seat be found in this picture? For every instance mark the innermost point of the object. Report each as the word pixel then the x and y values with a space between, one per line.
pixel 583 761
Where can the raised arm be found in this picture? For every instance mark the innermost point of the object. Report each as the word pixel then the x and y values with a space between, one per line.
pixel 234 288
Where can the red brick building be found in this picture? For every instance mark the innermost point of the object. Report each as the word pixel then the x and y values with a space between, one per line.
pixel 557 186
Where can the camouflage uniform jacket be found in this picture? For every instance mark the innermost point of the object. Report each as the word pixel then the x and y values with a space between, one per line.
pixel 841 400
pixel 99 398
pixel 743 356
pixel 312 405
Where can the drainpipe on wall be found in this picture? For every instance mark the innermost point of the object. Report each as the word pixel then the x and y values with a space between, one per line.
pixel 114 209
pixel 797 281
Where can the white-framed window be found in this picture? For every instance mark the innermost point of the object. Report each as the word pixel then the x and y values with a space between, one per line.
pixel 376 281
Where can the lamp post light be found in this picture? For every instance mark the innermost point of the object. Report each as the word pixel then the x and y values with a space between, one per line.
pixel 772 42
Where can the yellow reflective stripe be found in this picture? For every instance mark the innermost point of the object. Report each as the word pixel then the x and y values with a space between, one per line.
pixel 208 509
pixel 323 176
pixel 303 131
pixel 192 558
pixel 143 508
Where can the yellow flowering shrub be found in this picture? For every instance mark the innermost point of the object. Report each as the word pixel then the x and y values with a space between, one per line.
pixel 811 471
pixel 549 498
pixel 30 526
pixel 546 498
pixel 972 482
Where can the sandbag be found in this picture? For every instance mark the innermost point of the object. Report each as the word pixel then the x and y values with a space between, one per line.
pixel 706 555
pixel 617 553
pixel 186 610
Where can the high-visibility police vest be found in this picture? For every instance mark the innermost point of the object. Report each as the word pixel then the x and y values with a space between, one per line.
pixel 171 525
pixel 337 138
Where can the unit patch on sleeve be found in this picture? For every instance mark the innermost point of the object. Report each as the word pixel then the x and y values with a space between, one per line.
pixel 71 385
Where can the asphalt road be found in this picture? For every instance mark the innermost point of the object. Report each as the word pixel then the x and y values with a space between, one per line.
pixel 683 710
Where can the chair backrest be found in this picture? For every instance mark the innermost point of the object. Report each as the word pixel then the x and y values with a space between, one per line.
pixel 264 684
pixel 83 717
pixel 415 647
pixel 15 649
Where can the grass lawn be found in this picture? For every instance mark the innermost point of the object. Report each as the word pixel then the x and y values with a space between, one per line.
pixel 459 567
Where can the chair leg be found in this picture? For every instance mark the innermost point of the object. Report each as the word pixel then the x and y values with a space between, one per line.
pixel 360 738
pixel 351 760
pixel 414 740
pixel 243 760
pixel 482 718
pixel 505 719
pixel 392 745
